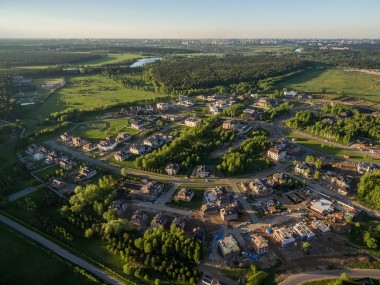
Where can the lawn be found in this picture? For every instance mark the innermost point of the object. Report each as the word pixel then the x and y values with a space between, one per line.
pixel 100 130
pixel 25 262
pixel 326 147
pixel 355 84
pixel 195 203
pixel 87 92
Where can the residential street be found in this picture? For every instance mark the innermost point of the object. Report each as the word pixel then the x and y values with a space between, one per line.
pixel 61 252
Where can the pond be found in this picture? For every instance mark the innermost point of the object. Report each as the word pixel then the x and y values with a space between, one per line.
pixel 144 61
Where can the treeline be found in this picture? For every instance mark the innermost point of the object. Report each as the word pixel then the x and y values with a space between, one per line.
pixel 12 58
pixel 190 148
pixel 208 72
pixel 337 123
pixel 271 114
pixel 9 109
pixel 247 156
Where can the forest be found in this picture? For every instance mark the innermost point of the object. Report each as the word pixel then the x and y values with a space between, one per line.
pixel 337 123
pixel 208 72
pixel 189 148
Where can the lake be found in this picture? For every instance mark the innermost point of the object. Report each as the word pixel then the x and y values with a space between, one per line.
pixel 144 61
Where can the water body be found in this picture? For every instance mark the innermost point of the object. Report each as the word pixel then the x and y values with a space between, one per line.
pixel 144 61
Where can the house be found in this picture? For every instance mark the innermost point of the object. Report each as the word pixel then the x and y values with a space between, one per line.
pixel 223 196
pixel 139 149
pixel 228 245
pixel 209 209
pixel 86 173
pixel 284 236
pixel 172 169
pixel 122 155
pixel 229 213
pixel 265 103
pixel 51 157
pixel 231 125
pixel 276 153
pixel 201 171
pixel 192 122
pixel 58 184
pixel 119 206
pixel 280 178
pixel 322 206
pixel 365 167
pixel 139 218
pixel 185 194
pixel 107 145
pixel 303 231
pixel 77 141
pixel 249 112
pixel 179 223
pixel 260 244
pixel 66 162
pixel 152 142
pixel 147 192
pixel 159 220
pixel 302 168
pixel 137 125
pixel 66 137
pixel 123 138
pixel 292 149
pixel 89 147
pixel 33 148
pixel 291 94
pixel 163 106
pixel 260 187
pixel 321 226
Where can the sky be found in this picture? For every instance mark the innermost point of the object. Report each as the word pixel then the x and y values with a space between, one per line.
pixel 189 19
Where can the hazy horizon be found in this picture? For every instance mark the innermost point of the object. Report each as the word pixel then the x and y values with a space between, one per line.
pixel 208 19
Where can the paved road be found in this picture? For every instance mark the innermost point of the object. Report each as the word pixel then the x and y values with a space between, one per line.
pixel 21 194
pixel 61 252
pixel 319 275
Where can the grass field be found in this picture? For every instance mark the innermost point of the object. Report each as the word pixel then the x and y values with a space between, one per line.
pixel 100 130
pixel 356 84
pixel 24 262
pixel 86 92
pixel 326 147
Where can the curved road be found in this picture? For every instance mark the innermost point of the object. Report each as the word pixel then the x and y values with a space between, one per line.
pixel 319 275
pixel 61 252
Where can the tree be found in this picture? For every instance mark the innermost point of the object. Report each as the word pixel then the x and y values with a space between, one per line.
pixel 369 240
pixel 316 175
pixel 318 163
pixel 306 247
pixel 157 282
pixel 124 172
pixel 309 159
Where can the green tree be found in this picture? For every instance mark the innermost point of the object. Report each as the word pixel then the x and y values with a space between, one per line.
pixel 309 159
pixel 306 247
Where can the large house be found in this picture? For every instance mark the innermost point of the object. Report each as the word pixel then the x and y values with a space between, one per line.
pixel 231 125
pixel 122 155
pixel 291 94
pixel 119 206
pixel 365 167
pixel 147 192
pixel 172 169
pixel 139 217
pixel 303 231
pixel 138 149
pixel 276 153
pixel 192 122
pixel 302 168
pixel 201 171
pixel 107 145
pixel 159 220
pixel 260 244
pixel 284 236
pixel 185 194
pixel 86 173
pixel 77 141
pixel 66 162
pixel 322 206
pixel 321 226
pixel 137 125
pixel 163 106
pixel 179 222
pixel 66 137
pixel 229 213
pixel 89 147
pixel 123 138
pixel 265 103
pixel 228 245
pixel 260 187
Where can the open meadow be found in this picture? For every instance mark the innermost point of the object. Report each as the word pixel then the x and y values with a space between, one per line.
pixel 87 92
pixel 361 85
pixel 100 130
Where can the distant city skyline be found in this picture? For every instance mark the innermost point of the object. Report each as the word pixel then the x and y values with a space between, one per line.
pixel 193 19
